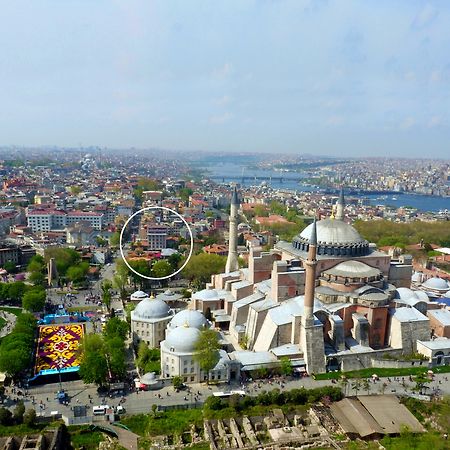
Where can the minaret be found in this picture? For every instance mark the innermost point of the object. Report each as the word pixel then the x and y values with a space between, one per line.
pixel 232 260
pixel 310 275
pixel 340 205
pixel 311 331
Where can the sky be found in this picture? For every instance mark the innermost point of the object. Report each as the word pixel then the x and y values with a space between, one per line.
pixel 353 78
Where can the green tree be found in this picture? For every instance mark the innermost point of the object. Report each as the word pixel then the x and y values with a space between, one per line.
pixel 10 267
pixel 34 300
pixel 37 278
pixel 116 327
pixel 174 261
pixel 200 267
pixel 36 264
pixel 93 365
pixel 5 416
pixel 106 293
pixel 286 366
pixel 77 274
pixel 16 290
pixel 14 360
pixel 64 258
pixel 115 354
pixel 184 194
pixel 75 190
pixel 207 350
pixel 19 411
pixel 120 278
pixel 161 269
pixel 29 418
pixel 114 240
pixel 177 382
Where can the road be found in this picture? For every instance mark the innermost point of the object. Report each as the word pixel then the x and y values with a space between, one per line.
pixel 81 394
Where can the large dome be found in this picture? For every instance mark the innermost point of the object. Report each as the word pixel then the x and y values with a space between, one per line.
pixel 182 339
pixel 150 308
pixel 334 237
pixel 436 283
pixel 195 319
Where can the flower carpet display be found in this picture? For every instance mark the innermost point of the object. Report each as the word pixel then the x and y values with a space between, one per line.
pixel 58 348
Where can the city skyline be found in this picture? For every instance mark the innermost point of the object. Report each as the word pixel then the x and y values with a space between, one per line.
pixel 328 78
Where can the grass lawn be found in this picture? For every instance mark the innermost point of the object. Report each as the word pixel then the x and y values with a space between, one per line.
pixel 385 372
pixel 83 437
pixel 15 311
pixel 2 322
pixel 167 422
pixel 20 430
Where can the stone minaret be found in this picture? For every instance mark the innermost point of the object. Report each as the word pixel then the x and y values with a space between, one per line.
pixel 340 205
pixel 310 275
pixel 311 332
pixel 232 260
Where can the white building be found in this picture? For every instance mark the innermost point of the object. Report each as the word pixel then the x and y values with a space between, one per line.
pixel 177 357
pixel 52 219
pixel 149 321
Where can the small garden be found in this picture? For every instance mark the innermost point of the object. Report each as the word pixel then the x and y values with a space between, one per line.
pixel 381 372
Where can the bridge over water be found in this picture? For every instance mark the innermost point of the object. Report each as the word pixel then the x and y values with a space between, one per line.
pixel 279 179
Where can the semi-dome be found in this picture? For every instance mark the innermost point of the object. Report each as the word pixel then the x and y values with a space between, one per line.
pixel 334 237
pixel 182 339
pixel 353 269
pixel 436 283
pixel 150 308
pixel 195 319
pixel 403 293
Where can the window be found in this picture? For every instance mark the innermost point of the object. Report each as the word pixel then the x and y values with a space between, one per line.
pixel 185 370
pixel 185 362
pixel 192 378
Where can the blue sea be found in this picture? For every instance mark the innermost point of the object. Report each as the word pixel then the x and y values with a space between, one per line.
pixel 235 171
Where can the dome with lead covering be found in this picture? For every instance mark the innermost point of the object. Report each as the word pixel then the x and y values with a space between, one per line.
pixel 138 295
pixel 150 308
pixel 439 284
pixel 182 339
pixel 334 238
pixel 195 319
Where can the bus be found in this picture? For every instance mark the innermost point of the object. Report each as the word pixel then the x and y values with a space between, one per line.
pixel 228 393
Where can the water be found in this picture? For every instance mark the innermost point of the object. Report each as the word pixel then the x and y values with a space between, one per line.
pixel 234 171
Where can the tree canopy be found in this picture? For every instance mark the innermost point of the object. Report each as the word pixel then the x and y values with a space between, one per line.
pixel 200 267
pixel 34 299
pixel 207 350
pixel 16 348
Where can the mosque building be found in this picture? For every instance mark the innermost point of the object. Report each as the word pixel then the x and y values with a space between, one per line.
pixel 327 300
pixel 149 320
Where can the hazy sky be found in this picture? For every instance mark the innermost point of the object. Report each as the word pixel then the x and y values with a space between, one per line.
pixel 333 77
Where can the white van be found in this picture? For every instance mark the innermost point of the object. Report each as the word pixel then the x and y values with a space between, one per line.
pixel 99 410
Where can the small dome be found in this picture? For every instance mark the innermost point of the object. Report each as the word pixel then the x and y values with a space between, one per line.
pixel 182 339
pixel 436 283
pixel 195 319
pixel 150 308
pixel 404 293
pixel 138 295
pixel 207 294
pixel 447 294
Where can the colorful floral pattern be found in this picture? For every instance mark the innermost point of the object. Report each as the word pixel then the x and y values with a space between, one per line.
pixel 58 347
